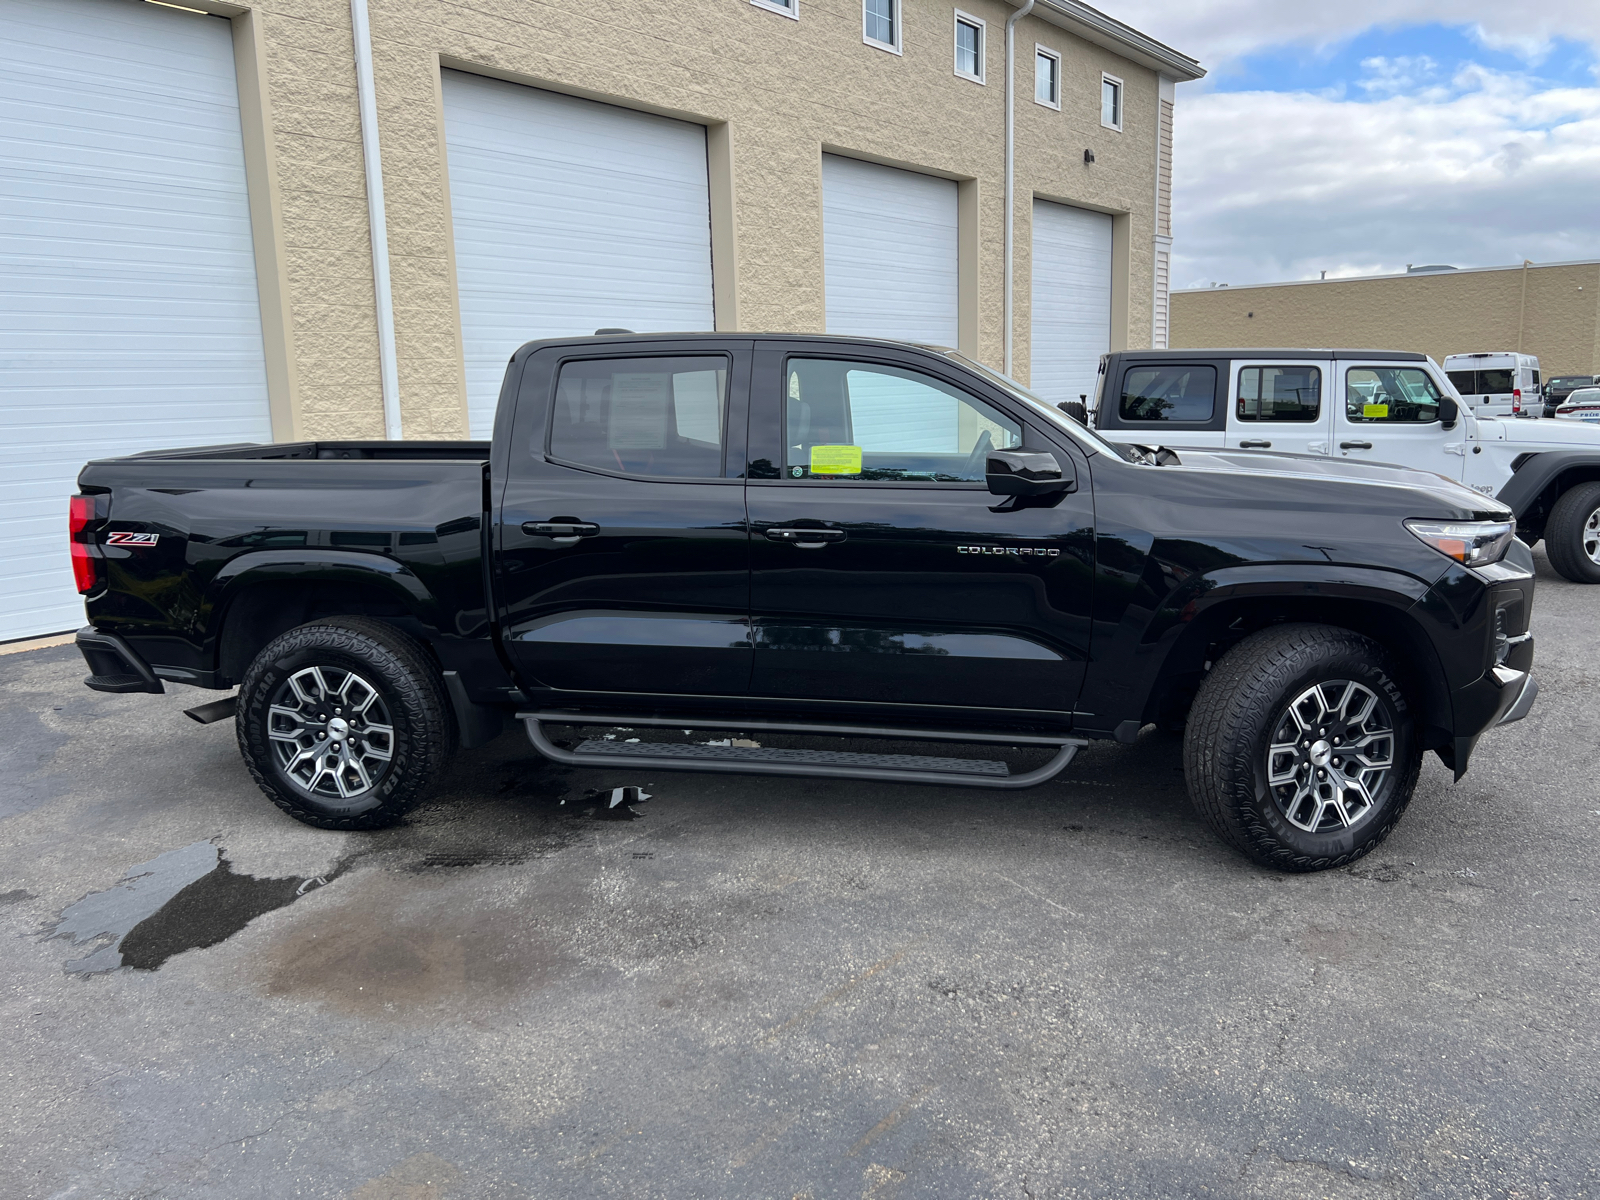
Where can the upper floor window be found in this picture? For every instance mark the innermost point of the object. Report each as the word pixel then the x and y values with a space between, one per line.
pixel 880 24
pixel 1111 102
pixel 642 416
pixel 789 8
pixel 969 47
pixel 1047 77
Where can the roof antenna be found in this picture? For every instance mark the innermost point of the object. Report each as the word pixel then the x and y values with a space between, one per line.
pixel 608 329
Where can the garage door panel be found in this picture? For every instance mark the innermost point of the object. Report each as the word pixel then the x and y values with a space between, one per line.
pixel 1071 321
pixel 129 317
pixel 890 240
pixel 569 216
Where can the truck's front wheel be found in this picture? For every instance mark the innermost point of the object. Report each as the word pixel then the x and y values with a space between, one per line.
pixel 1300 750
pixel 1572 534
pixel 343 723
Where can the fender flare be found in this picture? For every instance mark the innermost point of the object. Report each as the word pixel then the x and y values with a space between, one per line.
pixel 1539 471
pixel 244 571
pixel 1187 608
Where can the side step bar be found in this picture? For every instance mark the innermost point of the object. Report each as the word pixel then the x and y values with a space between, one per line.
pixel 811 764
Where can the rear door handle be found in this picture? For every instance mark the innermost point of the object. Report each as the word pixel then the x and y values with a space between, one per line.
pixel 805 539
pixel 1255 445
pixel 563 533
pixel 1355 445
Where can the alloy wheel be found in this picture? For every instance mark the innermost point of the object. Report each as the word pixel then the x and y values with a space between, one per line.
pixel 1330 753
pixel 1591 536
pixel 331 732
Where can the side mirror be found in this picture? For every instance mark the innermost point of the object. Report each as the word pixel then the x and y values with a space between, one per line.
pixel 1449 412
pixel 1076 410
pixel 1026 473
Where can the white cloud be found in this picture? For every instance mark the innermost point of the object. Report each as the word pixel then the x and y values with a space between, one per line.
pixel 1483 171
pixel 1397 165
pixel 1391 76
pixel 1218 31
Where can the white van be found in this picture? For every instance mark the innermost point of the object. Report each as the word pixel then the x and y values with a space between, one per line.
pixel 1497 383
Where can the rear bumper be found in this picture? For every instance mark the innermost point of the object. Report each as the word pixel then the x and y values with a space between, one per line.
pixel 114 666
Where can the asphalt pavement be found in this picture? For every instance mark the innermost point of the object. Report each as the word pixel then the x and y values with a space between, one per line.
pixel 742 987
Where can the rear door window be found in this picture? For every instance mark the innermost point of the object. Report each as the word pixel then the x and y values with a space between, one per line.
pixel 658 417
pixel 1496 381
pixel 1173 392
pixel 1292 393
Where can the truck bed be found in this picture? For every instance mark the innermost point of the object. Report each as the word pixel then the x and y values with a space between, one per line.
pixel 385 451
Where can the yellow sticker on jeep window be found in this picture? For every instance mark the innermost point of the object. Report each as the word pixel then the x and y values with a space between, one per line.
pixel 836 460
pixel 1375 412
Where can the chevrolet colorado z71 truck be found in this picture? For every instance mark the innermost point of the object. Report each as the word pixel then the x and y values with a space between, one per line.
pixel 813 535
pixel 1381 406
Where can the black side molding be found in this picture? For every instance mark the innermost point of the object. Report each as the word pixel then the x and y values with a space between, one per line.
pixel 114 665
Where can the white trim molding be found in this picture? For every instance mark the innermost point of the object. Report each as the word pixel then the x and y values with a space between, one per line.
pixel 784 8
pixel 1120 93
pixel 982 28
pixel 896 25
pixel 1043 51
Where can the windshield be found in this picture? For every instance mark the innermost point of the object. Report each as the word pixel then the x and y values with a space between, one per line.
pixel 1085 437
pixel 1570 381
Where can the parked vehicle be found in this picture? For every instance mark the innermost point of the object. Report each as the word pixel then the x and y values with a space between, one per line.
pixel 1582 404
pixel 1364 406
pixel 1496 384
pixel 821 535
pixel 1558 389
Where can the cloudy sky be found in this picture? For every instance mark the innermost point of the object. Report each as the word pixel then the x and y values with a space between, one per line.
pixel 1360 136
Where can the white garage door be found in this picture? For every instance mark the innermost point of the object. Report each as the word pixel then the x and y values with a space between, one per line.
pixel 570 216
pixel 1071 299
pixel 889 252
pixel 128 310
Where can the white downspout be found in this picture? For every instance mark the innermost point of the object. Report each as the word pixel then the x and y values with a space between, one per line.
pixel 1011 125
pixel 372 163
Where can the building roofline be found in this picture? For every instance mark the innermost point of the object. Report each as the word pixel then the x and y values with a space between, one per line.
pixel 1532 266
pixel 1094 26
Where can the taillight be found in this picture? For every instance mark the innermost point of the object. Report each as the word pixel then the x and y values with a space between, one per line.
pixel 1516 400
pixel 80 512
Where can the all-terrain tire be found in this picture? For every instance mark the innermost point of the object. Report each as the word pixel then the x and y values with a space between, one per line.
pixel 409 695
pixel 1574 520
pixel 1245 699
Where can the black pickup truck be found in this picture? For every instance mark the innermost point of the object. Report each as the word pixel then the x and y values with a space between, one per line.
pixel 820 536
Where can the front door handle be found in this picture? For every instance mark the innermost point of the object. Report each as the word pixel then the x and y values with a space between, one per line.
pixel 562 533
pixel 1255 445
pixel 1355 445
pixel 805 539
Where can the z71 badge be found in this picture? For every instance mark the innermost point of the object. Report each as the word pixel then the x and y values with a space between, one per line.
pixel 132 539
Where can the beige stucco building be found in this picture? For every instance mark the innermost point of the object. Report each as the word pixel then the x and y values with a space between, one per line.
pixel 336 219
pixel 1549 310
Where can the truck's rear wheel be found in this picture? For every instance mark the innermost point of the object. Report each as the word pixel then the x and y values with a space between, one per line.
pixel 1300 750
pixel 1572 534
pixel 344 723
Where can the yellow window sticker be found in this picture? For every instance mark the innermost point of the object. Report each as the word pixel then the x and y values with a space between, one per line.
pixel 1375 412
pixel 836 460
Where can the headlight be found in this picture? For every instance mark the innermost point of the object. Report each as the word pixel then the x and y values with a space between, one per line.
pixel 1470 543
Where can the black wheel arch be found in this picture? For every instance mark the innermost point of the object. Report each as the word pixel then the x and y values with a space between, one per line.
pixel 1216 628
pixel 1539 479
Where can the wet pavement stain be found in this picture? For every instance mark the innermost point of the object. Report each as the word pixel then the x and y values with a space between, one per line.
pixel 185 899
